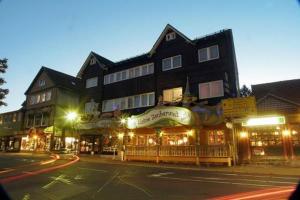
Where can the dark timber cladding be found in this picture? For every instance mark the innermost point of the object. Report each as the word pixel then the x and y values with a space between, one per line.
pixel 222 68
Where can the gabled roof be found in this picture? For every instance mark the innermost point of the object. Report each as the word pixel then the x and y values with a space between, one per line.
pixel 276 97
pixel 59 79
pixel 162 36
pixel 103 62
pixel 288 90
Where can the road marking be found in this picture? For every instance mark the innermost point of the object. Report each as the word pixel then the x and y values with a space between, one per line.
pixel 108 181
pixel 26 197
pixel 240 179
pixel 61 178
pixel 161 174
pixel 135 186
pixel 90 169
pixel 211 181
pixel 7 170
pixel 78 177
pixel 260 176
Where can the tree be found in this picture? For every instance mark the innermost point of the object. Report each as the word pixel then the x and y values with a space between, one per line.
pixel 3 92
pixel 245 91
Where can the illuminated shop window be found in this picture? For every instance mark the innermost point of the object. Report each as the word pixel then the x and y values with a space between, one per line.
pixel 216 137
pixel 265 138
pixel 172 95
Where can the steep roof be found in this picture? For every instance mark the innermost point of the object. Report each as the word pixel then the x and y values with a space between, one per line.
pixel 59 79
pixel 288 90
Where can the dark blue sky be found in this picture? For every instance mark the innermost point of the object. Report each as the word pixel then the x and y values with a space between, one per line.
pixel 61 33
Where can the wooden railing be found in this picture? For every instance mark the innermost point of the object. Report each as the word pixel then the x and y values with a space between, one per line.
pixel 185 151
pixel 215 151
pixel 141 150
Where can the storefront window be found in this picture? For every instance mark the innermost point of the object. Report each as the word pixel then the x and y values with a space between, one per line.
pixel 216 137
pixel 265 138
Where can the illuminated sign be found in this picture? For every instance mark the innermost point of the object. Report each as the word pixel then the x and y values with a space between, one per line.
pixel 264 121
pixel 239 107
pixel 177 114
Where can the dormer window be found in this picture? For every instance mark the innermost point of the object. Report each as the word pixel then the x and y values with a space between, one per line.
pixel 170 36
pixel 42 83
pixel 93 61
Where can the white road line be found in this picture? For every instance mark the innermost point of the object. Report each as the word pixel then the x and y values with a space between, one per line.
pixel 261 176
pixel 211 181
pixel 240 179
pixel 161 174
pixel 108 181
pixel 135 186
pixel 90 169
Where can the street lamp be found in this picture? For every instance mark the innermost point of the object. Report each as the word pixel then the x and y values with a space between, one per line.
pixel 72 116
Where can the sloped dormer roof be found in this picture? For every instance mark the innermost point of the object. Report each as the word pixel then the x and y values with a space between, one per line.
pixel 163 34
pixel 103 62
pixel 59 79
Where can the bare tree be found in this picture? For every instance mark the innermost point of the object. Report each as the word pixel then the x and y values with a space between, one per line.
pixel 3 92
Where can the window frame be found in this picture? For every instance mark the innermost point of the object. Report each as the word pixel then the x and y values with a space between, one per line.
pixel 172 62
pixel 91 79
pixel 210 91
pixel 207 49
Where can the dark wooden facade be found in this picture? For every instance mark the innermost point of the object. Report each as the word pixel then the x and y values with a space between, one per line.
pixel 224 68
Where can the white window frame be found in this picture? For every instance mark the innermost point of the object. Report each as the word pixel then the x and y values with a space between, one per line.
pixel 210 89
pixel 170 36
pixel 207 49
pixel 150 70
pixel 116 101
pixel 88 83
pixel 172 63
pixel 42 82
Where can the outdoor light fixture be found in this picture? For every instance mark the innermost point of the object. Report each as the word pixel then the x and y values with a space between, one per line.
pixel 243 134
pixel 263 121
pixel 185 139
pixel 123 121
pixel 286 132
pixel 120 136
pixel 190 132
pixel 131 123
pixel 131 134
pixel 294 132
pixel 161 134
pixel 150 140
pixel 71 116
pixel 35 137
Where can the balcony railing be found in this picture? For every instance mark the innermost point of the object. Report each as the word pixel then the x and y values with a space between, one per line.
pixel 207 151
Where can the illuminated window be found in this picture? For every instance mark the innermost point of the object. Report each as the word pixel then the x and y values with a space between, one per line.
pixel 265 138
pixel 48 96
pixel 43 97
pixel 172 95
pixel 211 89
pixel 38 98
pixel 216 137
pixel 14 117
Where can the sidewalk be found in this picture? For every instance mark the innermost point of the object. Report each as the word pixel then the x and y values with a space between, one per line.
pixel 248 169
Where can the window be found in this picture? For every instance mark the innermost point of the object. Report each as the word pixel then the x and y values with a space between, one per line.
pixel 42 83
pixel 106 79
pixel 91 82
pixel 170 36
pixel 211 89
pixel 48 96
pixel 216 137
pixel 37 119
pixel 130 73
pixel 172 95
pixel 209 53
pixel 93 61
pixel 141 100
pixel 14 117
pixel 43 97
pixel 1 120
pixel 45 119
pixel 124 75
pixel 32 100
pixel 118 76
pixel 88 107
pixel 171 63
pixel 38 98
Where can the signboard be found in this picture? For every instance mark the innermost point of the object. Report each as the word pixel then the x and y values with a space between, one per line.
pixel 265 121
pixel 239 107
pixel 173 114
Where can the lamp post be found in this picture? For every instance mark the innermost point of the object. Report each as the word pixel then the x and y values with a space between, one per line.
pixel 72 117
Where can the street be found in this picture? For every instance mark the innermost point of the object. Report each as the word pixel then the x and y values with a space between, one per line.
pixel 90 180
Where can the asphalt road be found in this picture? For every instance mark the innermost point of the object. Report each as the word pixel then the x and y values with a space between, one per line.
pixel 86 180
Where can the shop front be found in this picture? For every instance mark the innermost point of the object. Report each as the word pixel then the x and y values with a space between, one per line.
pixel 268 138
pixel 10 143
pixel 99 136
pixel 175 134
pixel 35 140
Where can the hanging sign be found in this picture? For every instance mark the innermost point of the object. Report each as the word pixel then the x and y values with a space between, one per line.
pixel 239 107
pixel 172 114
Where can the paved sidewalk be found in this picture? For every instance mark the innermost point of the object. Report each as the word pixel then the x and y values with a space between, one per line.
pixel 249 169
